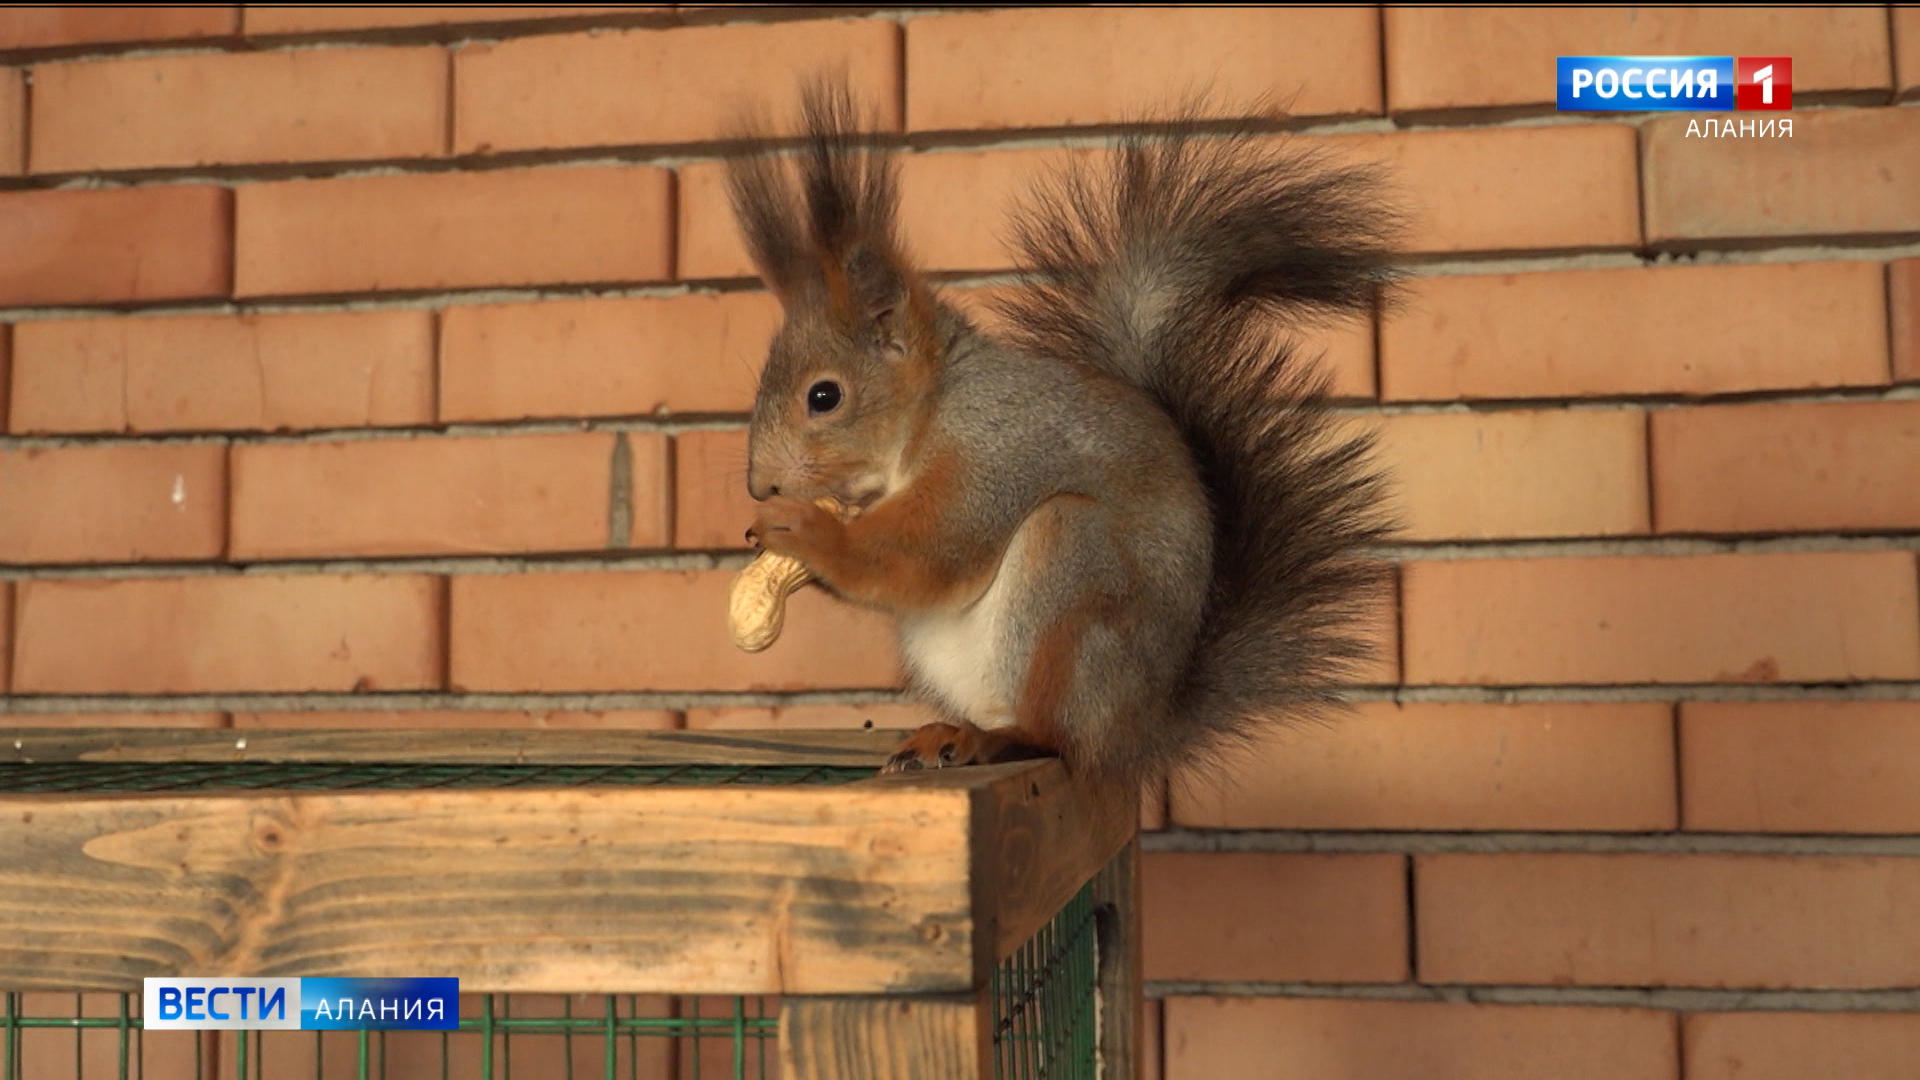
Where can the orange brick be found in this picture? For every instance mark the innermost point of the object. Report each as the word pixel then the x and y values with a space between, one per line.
pixel 652 631
pixel 1780 468
pixel 34 27
pixel 13 121
pixel 953 205
pixel 1789 1046
pixel 112 503
pixel 390 719
pixel 1569 187
pixel 1236 917
pixel 1448 766
pixel 239 108
pixel 239 634
pixel 1906 49
pixel 1801 766
pixel 1742 188
pixel 1679 330
pixel 1478 476
pixel 1668 920
pixel 896 715
pixel 453 230
pixel 1903 293
pixel 644 356
pixel 711 506
pixel 440 495
pixel 1346 351
pixel 306 19
pixel 165 242
pixel 224 372
pixel 1381 629
pixel 1344 348
pixel 1832 49
pixel 1307 1039
pixel 1746 618
pixel 1501 189
pixel 1059 67
pixel 1152 1053
pixel 552 90
pixel 114 720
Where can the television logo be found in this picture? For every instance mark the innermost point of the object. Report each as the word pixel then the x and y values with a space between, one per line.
pixel 305 1004
pixel 1675 83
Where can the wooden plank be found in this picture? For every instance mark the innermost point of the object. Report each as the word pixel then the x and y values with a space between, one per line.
pixel 855 748
pixel 1117 892
pixel 1038 835
pixel 843 889
pixel 894 1038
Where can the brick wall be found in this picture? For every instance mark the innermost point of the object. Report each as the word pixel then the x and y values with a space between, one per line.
pixel 401 381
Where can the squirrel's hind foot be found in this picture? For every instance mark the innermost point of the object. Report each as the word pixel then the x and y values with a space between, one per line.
pixel 942 745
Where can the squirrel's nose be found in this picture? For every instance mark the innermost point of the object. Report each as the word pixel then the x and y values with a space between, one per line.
pixel 760 489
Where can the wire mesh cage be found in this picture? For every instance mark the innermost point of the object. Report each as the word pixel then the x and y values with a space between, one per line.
pixel 1043 985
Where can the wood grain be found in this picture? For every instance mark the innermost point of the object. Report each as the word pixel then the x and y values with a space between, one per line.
pixel 912 884
pixel 439 745
pixel 646 890
pixel 1038 836
pixel 900 1038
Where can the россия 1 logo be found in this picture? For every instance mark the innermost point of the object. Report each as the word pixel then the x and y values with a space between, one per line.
pixel 1682 84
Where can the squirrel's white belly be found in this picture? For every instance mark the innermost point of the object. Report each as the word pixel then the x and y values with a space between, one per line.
pixel 955 656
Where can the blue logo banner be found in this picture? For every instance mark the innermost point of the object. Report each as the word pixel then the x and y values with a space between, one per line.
pixel 1645 83
pixel 304 1004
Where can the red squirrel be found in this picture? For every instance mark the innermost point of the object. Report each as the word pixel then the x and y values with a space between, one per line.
pixel 1125 530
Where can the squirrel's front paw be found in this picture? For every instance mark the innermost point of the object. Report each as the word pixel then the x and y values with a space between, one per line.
pixel 793 527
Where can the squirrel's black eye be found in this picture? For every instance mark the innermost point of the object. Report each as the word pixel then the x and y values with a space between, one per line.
pixel 823 397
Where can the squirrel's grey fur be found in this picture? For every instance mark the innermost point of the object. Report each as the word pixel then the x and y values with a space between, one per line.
pixel 1137 478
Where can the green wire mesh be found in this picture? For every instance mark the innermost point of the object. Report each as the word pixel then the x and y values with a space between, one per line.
pixel 615 1037
pixel 1044 999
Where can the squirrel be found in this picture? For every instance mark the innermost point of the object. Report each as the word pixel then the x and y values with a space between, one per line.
pixel 1127 530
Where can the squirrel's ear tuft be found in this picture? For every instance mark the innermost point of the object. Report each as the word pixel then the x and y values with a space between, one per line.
pixel 830 237
pixel 765 206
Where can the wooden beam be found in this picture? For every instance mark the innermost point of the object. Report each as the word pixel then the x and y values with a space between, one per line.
pixel 443 746
pixel 892 1038
pixel 1038 835
pixel 745 890
pixel 905 884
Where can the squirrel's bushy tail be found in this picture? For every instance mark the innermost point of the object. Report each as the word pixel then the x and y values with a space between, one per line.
pixel 1172 267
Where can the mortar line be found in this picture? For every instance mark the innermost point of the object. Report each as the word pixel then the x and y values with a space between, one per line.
pixel 931 142
pixel 730 421
pixel 1665 999
pixel 733 558
pixel 1678 734
pixel 1856 248
pixel 1413 919
pixel 620 494
pixel 1529 842
pixel 66 704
